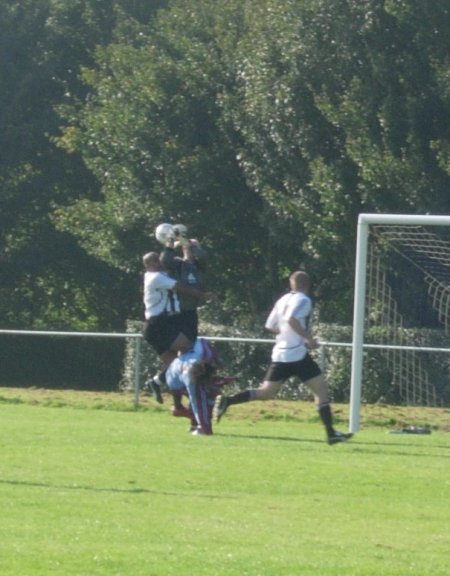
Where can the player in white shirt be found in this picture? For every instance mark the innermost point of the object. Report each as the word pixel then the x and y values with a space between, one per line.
pixel 289 320
pixel 164 328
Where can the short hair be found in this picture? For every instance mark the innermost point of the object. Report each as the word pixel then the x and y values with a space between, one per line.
pixel 150 258
pixel 300 280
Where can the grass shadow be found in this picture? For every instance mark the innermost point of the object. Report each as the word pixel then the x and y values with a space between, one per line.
pixel 136 490
pixel 355 442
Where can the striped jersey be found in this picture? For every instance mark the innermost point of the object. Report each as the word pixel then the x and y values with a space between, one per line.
pixel 159 296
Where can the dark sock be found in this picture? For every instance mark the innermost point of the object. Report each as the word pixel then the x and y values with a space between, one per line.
pixel 160 377
pixel 326 417
pixel 177 401
pixel 239 398
pixel 156 391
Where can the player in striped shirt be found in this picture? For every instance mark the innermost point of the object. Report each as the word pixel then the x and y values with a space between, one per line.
pixel 164 327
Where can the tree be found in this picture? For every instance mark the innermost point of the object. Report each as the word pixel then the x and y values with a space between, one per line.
pixel 292 116
pixel 154 134
pixel 338 109
pixel 47 280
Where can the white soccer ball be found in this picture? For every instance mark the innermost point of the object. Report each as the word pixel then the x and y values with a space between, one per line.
pixel 164 232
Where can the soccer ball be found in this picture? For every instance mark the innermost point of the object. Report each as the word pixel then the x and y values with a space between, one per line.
pixel 164 232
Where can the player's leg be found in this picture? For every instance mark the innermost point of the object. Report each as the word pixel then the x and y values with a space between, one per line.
pixel 156 382
pixel 189 323
pixel 176 343
pixel 319 387
pixel 179 345
pixel 274 378
pixel 155 334
pixel 266 391
pixel 198 398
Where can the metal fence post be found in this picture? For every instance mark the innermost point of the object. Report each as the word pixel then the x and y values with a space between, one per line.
pixel 137 370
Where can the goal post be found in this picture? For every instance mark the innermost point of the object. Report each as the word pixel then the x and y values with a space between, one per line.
pixel 365 221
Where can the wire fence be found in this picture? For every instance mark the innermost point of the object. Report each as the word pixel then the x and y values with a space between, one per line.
pixel 324 345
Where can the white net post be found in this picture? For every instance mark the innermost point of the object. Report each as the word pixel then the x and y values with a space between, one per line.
pixel 358 324
pixel 441 293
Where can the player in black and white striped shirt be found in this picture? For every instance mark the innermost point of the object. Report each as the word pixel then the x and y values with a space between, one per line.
pixel 163 326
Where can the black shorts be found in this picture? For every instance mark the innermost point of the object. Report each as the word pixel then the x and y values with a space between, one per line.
pixel 162 331
pixel 304 369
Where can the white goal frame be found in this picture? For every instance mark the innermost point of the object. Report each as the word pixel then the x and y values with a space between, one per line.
pixel 364 221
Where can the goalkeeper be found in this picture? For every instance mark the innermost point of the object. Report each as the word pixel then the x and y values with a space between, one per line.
pixel 163 326
pixel 188 270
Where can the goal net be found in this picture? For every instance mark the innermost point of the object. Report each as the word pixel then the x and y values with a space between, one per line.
pixel 401 310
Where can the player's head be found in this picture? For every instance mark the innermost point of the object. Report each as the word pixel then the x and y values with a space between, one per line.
pixel 151 261
pixel 202 372
pixel 300 281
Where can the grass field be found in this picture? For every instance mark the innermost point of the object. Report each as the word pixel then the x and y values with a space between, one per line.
pixel 88 487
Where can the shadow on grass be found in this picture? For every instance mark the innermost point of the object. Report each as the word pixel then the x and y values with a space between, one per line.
pixel 362 447
pixel 355 442
pixel 136 490
pixel 277 438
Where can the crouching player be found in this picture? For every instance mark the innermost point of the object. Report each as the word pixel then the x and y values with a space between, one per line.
pixel 193 373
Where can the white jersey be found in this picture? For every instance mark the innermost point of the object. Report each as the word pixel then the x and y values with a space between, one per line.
pixel 158 295
pixel 290 346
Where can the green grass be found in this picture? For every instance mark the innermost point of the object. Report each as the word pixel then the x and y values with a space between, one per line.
pixel 90 487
